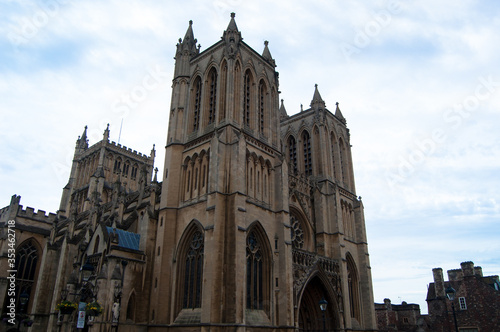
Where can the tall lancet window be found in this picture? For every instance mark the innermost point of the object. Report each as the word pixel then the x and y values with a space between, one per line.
pixel 212 101
pixel 306 139
pixel 193 272
pixel 333 153
pixel 353 287
pixel 292 151
pixel 196 104
pixel 255 272
pixel 247 89
pixel 26 265
pixel 222 93
pixel 262 102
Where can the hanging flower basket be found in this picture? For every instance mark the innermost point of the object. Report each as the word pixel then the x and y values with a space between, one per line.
pixel 66 307
pixel 93 309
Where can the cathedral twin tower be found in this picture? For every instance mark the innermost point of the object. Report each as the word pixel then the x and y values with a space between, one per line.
pixel 264 221
pixel 254 221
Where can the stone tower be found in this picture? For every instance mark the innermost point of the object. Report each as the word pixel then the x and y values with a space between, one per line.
pixel 222 234
pixel 258 220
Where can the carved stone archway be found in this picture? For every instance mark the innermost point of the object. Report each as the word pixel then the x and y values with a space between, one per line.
pixel 310 316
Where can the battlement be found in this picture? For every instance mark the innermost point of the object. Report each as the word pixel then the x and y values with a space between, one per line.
pixel 134 152
pixel 39 215
pixel 113 145
pixel 14 210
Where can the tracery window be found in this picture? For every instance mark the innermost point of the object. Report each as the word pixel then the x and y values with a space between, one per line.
pixel 193 272
pixel 254 272
pixel 297 233
pixel 26 265
pixel 292 151
pixel 307 153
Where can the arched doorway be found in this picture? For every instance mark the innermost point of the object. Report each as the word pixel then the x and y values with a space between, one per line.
pixel 310 315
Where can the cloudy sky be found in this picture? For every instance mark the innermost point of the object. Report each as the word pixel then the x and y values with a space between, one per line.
pixel 418 82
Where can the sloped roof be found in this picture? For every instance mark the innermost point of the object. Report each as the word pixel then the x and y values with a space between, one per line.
pixel 126 239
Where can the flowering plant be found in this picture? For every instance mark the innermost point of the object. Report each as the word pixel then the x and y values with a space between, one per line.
pixel 66 305
pixel 93 308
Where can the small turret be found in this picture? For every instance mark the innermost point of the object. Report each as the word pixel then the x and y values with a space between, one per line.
pixel 317 102
pixel 339 115
pixel 283 114
pixel 105 136
pixel 232 38
pixel 82 142
pixel 186 50
pixel 267 54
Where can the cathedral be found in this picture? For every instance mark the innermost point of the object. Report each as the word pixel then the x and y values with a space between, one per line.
pixel 254 225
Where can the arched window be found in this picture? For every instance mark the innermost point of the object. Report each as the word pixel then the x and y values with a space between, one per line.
pixel 212 95
pixel 333 152
pixel 223 91
pixel 307 153
pixel 254 273
pixel 193 271
pixel 262 104
pixel 247 97
pixel 196 103
pixel 353 287
pixel 26 266
pixel 292 152
pixel 344 163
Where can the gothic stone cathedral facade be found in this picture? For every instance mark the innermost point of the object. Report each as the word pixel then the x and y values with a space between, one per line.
pixel 254 221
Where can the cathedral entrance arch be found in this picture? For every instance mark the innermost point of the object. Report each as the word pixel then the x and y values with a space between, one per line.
pixel 310 315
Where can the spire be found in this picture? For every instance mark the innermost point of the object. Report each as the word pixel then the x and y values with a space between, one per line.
pixel 232 24
pixel 155 180
pixel 267 54
pixel 338 114
pixel 82 141
pixel 283 114
pixel 105 136
pixel 188 45
pixel 317 101
pixel 232 38
pixel 153 152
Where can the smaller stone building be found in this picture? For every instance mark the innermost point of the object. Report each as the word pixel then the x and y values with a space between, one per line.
pixel 477 300
pixel 397 317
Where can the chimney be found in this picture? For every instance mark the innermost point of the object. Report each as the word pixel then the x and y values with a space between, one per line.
pixel 467 268
pixel 387 303
pixel 478 271
pixel 438 281
pixel 455 275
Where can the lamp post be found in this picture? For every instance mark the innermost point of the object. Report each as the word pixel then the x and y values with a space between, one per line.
pixel 322 305
pixel 450 293
pixel 86 272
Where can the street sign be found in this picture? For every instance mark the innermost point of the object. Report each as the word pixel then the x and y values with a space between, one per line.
pixel 80 324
